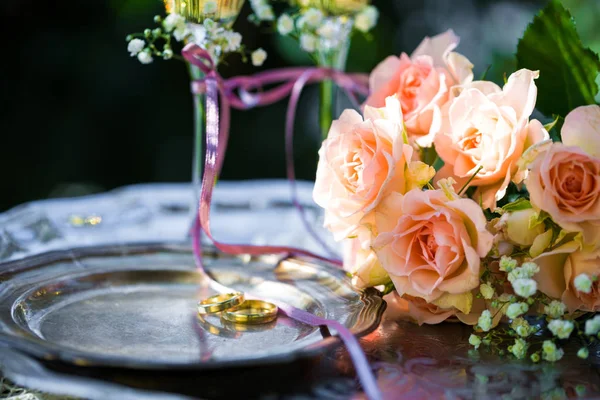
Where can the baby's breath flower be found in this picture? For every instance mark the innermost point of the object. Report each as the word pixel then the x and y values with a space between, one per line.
pixel 366 19
pixel 285 25
pixel 486 290
pixel 592 325
pixel 173 21
pixel 485 321
pixel 517 273
pixel 329 30
pixel 167 54
pixel 583 353
pixel 507 264
pixel 560 328
pixel 519 348
pixel 555 309
pixel 550 352
pixel 524 287
pixel 145 57
pixel 516 309
pixel 475 341
pixel 583 283
pixel 308 42
pixel 313 17
pixel 233 39
pixel 521 326
pixel 262 10
pixel 258 57
pixel 135 46
pixel 530 268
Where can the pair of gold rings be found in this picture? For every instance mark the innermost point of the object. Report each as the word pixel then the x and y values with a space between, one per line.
pixel 236 309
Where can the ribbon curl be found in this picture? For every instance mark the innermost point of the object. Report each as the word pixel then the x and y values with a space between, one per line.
pixel 217 132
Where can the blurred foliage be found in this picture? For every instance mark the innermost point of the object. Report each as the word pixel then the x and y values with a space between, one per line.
pixel 568 69
pixel 79 115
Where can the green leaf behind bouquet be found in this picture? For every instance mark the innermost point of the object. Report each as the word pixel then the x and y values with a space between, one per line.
pixel 568 70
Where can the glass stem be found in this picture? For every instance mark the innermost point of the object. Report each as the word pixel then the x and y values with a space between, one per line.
pixel 198 151
pixel 335 59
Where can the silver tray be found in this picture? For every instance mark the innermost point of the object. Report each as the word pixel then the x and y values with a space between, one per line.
pixel 134 306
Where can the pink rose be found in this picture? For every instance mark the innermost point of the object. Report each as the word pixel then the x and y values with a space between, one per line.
pixel 422 83
pixel 486 130
pixel 360 162
pixel 431 243
pixel 564 181
pixel 416 309
pixel 558 270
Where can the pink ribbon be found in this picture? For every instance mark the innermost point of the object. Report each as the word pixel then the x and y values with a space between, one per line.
pixel 216 138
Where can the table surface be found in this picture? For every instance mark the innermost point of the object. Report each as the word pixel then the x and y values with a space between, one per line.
pixel 409 361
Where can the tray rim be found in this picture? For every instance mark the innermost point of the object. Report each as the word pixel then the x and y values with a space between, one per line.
pixel 372 300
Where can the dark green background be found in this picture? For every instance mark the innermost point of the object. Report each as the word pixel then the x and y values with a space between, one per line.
pixel 80 116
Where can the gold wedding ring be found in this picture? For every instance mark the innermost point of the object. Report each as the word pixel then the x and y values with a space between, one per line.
pixel 220 302
pixel 252 312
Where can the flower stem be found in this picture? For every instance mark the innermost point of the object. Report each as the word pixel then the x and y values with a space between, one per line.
pixel 326 107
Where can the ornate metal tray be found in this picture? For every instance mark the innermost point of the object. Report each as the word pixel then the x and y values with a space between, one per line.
pixel 135 306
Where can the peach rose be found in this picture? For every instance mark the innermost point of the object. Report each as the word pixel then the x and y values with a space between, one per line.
pixel 560 267
pixel 418 310
pixel 362 262
pixel 431 243
pixel 486 130
pixel 361 162
pixel 422 82
pixel 564 181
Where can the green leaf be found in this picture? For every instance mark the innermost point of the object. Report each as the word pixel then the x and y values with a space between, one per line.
pixel 518 205
pixel 568 70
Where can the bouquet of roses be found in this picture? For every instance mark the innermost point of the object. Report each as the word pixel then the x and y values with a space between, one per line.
pixel 450 195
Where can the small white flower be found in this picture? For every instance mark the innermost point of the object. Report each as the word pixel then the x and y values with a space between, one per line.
pixel 475 341
pixel 258 57
pixel 145 57
pixel 308 42
pixel 264 12
pixel 210 25
pixel 485 321
pixel 530 268
pixel 555 309
pixel 583 283
pixel 507 264
pixel 583 353
pixel 367 19
pixel 135 46
pixel 486 291
pixel 524 287
pixel 561 329
pixel 199 34
pixel 516 309
pixel 173 21
pixel 181 31
pixel 519 348
pixel 167 54
pixel 285 25
pixel 550 352
pixel 521 326
pixel 592 325
pixel 329 30
pixel 234 41
pixel 313 17
pixel 210 7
